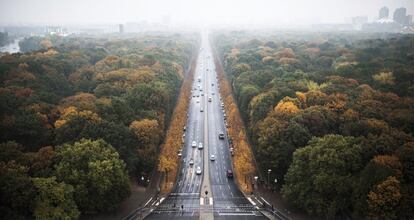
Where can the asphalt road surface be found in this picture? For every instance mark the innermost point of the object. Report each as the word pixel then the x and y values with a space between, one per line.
pixel 205 120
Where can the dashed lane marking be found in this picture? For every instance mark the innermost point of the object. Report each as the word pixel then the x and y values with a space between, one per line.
pixel 251 201
pixel 265 201
pixel 211 200
pixel 148 201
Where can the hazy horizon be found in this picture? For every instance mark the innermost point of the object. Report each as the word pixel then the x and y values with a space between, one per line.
pixel 192 13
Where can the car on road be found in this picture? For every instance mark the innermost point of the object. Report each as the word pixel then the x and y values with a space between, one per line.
pixel 194 144
pixel 202 94
pixel 221 135
pixel 191 162
pixel 201 109
pixel 229 174
pixel 212 93
pixel 198 95
pixel 200 145
pixel 198 171
pixel 209 99
pixel 212 157
pixel 197 100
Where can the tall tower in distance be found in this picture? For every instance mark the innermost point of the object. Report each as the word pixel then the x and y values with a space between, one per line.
pixel 383 13
pixel 400 16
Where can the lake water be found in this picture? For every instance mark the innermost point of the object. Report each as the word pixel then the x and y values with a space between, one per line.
pixel 12 47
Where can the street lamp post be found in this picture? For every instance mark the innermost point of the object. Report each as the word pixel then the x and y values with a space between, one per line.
pixel 255 181
pixel 275 183
pixel 268 176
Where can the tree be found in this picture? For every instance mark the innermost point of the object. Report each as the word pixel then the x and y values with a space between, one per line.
pixel 384 199
pixel 384 78
pixel 319 179
pixel 54 200
pixel 147 131
pixel 166 165
pixel 11 151
pixel 16 191
pixel 406 156
pixel 41 162
pixel 123 140
pixel 27 128
pixel 95 171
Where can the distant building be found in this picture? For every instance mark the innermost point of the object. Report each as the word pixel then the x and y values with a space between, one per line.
pixel 359 21
pixel 121 28
pixel 383 13
pixel 400 16
pixel 410 19
pixel 382 25
pixel 56 30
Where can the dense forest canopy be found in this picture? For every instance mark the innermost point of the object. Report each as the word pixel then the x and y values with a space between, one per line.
pixel 331 114
pixel 84 115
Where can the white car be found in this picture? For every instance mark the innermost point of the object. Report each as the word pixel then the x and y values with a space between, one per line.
pixel 197 101
pixel 212 157
pixel 201 109
pixel 200 145
pixel 191 162
pixel 194 144
pixel 198 171
pixel 209 99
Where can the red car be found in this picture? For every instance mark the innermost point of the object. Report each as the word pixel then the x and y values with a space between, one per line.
pixel 229 174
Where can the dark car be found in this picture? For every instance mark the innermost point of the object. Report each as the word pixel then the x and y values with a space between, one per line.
pixel 229 174
pixel 221 135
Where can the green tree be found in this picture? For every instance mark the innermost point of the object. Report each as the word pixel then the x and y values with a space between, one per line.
pixel 16 191
pixel 54 200
pixel 95 171
pixel 319 180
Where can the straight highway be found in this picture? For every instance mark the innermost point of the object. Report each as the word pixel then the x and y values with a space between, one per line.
pixel 205 188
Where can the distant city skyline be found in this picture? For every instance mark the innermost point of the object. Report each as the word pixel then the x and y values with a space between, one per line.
pixel 187 12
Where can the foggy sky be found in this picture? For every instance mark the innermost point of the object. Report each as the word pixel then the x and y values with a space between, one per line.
pixel 192 12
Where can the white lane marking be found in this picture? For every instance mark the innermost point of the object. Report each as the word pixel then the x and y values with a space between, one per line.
pixel 158 203
pixel 251 201
pixel 265 201
pixel 235 213
pixel 148 201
